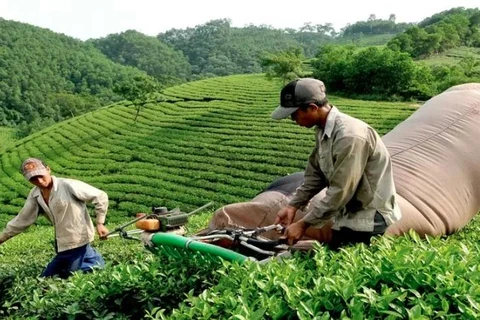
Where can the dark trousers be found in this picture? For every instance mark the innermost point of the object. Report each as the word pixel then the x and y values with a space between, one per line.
pixel 347 236
pixel 83 258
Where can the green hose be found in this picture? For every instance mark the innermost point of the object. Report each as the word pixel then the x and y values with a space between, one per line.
pixel 174 240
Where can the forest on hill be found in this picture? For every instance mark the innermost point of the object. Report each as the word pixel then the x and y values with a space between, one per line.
pixel 443 31
pixel 397 71
pixel 216 48
pixel 46 77
pixel 132 48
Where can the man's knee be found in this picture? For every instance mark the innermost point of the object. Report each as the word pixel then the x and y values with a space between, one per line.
pixel 92 259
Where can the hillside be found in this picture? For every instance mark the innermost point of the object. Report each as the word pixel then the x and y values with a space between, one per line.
pixel 217 48
pixel 212 141
pixel 135 49
pixel 445 30
pixel 46 76
pixel 454 56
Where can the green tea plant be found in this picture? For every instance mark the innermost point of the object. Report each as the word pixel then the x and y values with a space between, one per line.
pixel 395 278
pixel 133 281
pixel 7 135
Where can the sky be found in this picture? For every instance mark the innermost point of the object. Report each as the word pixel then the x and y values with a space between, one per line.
pixel 85 19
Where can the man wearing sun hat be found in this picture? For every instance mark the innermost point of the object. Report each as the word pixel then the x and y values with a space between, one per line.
pixel 63 202
pixel 349 159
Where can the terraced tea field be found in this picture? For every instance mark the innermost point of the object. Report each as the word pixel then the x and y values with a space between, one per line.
pixel 7 136
pixel 212 140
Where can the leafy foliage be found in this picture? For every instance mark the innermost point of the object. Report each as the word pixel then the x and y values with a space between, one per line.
pixel 217 48
pixel 140 91
pixel 135 49
pixel 443 31
pixel 46 77
pixel 375 26
pixel 401 278
pixel 211 49
pixel 133 281
pixel 7 135
pixel 381 73
pixel 286 65
pixel 374 72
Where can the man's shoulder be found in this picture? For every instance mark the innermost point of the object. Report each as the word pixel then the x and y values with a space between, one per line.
pixel 34 192
pixel 61 182
pixel 348 119
pixel 58 179
pixel 348 126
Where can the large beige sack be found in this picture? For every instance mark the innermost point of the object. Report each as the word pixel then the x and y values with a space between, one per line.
pixel 435 156
pixel 262 211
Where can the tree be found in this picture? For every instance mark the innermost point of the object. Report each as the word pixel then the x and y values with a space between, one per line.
pixel 216 48
pixel 375 26
pixel 49 76
pixel 204 41
pixel 71 105
pixel 146 53
pixel 378 73
pixel 140 91
pixel 442 31
pixel 307 27
pixel 326 29
pixel 286 65
pixel 331 65
pixel 392 17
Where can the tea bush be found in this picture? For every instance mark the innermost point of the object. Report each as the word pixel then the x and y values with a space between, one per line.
pixel 133 281
pixel 394 278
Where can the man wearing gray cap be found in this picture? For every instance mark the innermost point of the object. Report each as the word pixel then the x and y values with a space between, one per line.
pixel 349 159
pixel 63 202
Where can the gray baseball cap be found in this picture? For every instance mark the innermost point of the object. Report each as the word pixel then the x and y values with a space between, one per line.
pixel 33 167
pixel 297 93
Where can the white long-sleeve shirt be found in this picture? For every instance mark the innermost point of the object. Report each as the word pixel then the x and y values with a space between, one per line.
pixel 66 210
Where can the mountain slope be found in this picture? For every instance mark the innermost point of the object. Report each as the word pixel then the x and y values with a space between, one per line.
pixel 213 140
pixel 135 49
pixel 45 75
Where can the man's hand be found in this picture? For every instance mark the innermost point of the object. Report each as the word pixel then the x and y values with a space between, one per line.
pixel 286 215
pixel 102 231
pixel 295 231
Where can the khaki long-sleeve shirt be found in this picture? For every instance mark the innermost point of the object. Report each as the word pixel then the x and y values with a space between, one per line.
pixel 351 161
pixel 66 210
